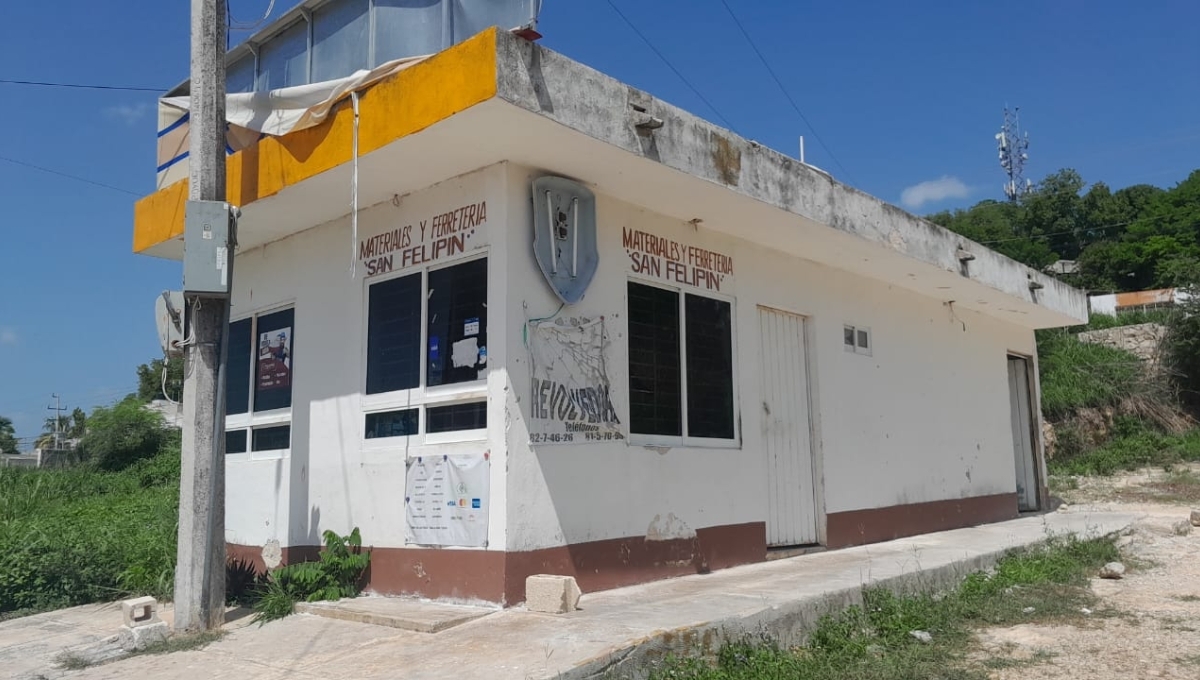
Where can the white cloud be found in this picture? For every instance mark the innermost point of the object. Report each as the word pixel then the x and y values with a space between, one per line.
pixel 934 191
pixel 128 113
pixel 8 336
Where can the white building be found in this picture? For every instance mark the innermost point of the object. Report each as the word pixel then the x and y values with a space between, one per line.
pixel 787 361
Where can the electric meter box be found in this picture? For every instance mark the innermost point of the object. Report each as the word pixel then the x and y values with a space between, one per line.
pixel 170 316
pixel 207 228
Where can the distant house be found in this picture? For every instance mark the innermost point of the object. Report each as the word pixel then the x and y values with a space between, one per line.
pixel 1115 303
pixel 575 329
pixel 171 412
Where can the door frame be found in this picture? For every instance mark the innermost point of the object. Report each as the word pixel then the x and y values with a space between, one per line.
pixel 1035 424
pixel 816 449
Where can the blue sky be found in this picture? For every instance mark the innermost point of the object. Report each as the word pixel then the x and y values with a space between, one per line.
pixel 902 93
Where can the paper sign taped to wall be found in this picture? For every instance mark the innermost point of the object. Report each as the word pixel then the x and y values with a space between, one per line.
pixel 570 400
pixel 446 500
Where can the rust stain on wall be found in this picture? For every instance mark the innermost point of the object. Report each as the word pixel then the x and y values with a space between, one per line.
pixel 727 159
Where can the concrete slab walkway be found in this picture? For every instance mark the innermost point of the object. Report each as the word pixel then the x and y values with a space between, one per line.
pixel 617 631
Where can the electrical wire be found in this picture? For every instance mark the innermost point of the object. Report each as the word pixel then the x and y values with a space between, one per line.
pixel 778 82
pixel 77 178
pixel 83 86
pixel 236 25
pixel 671 66
pixel 1085 229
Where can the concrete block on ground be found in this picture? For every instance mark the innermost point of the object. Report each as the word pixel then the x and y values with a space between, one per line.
pixel 141 611
pixel 133 639
pixel 551 594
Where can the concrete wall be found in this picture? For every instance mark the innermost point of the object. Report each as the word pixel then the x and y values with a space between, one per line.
pixel 925 418
pixel 333 478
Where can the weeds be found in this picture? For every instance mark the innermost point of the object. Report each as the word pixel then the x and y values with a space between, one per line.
pixel 337 574
pixel 73 662
pixel 1134 444
pixel 181 643
pixel 79 535
pixel 873 642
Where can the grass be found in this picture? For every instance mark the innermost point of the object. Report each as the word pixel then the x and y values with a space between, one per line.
pixel 1186 598
pixel 73 662
pixel 1134 444
pixel 1001 662
pixel 1131 318
pixel 79 535
pixel 873 641
pixel 182 643
pixel 1076 375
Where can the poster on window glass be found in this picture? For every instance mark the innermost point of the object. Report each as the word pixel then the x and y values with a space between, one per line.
pixel 570 403
pixel 275 359
pixel 446 500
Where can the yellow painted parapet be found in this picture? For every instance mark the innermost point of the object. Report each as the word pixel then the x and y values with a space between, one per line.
pixel 413 99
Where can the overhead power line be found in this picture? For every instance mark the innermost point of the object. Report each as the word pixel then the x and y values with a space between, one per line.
pixel 784 90
pixel 671 66
pixel 67 175
pixel 1104 227
pixel 83 86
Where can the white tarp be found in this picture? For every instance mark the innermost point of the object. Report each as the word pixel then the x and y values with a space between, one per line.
pixel 446 500
pixel 570 397
pixel 278 112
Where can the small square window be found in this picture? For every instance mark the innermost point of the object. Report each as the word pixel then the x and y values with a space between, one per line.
pixel 856 340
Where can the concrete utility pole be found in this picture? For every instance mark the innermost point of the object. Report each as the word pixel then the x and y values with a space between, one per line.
pixel 200 570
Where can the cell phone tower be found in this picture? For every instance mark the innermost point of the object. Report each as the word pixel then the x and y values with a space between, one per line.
pixel 1013 147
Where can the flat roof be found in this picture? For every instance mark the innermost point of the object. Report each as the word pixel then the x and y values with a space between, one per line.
pixel 497 97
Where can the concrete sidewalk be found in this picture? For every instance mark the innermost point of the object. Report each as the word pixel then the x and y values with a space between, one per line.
pixel 618 630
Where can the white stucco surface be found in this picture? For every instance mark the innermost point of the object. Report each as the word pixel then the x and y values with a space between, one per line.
pixel 924 417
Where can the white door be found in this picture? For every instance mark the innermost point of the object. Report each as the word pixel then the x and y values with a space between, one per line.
pixel 1022 431
pixel 792 517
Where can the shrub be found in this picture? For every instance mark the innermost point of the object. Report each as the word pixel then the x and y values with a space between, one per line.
pixel 74 536
pixel 120 436
pixel 1077 375
pixel 337 574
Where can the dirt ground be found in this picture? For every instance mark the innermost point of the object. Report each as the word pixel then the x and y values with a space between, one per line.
pixel 1146 625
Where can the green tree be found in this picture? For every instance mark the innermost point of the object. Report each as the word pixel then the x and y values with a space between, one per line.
pixel 121 435
pixel 8 436
pixel 150 380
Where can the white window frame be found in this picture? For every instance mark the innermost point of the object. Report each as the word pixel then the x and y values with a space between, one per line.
pixel 855 348
pixel 251 420
pixel 635 439
pixel 422 396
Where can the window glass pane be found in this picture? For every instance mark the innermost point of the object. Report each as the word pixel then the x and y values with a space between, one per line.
pixel 473 16
pixel 237 367
pixel 340 40
pixel 394 335
pixel 407 28
pixel 709 367
pixel 283 60
pixel 848 336
pixel 392 424
pixel 235 441
pixel 274 362
pixel 471 416
pixel 272 438
pixel 654 374
pixel 239 76
pixel 863 340
pixel 457 314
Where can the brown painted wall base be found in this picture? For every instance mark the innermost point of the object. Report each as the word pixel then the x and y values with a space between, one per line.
pixel 599 565
pixel 859 527
pixel 500 577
